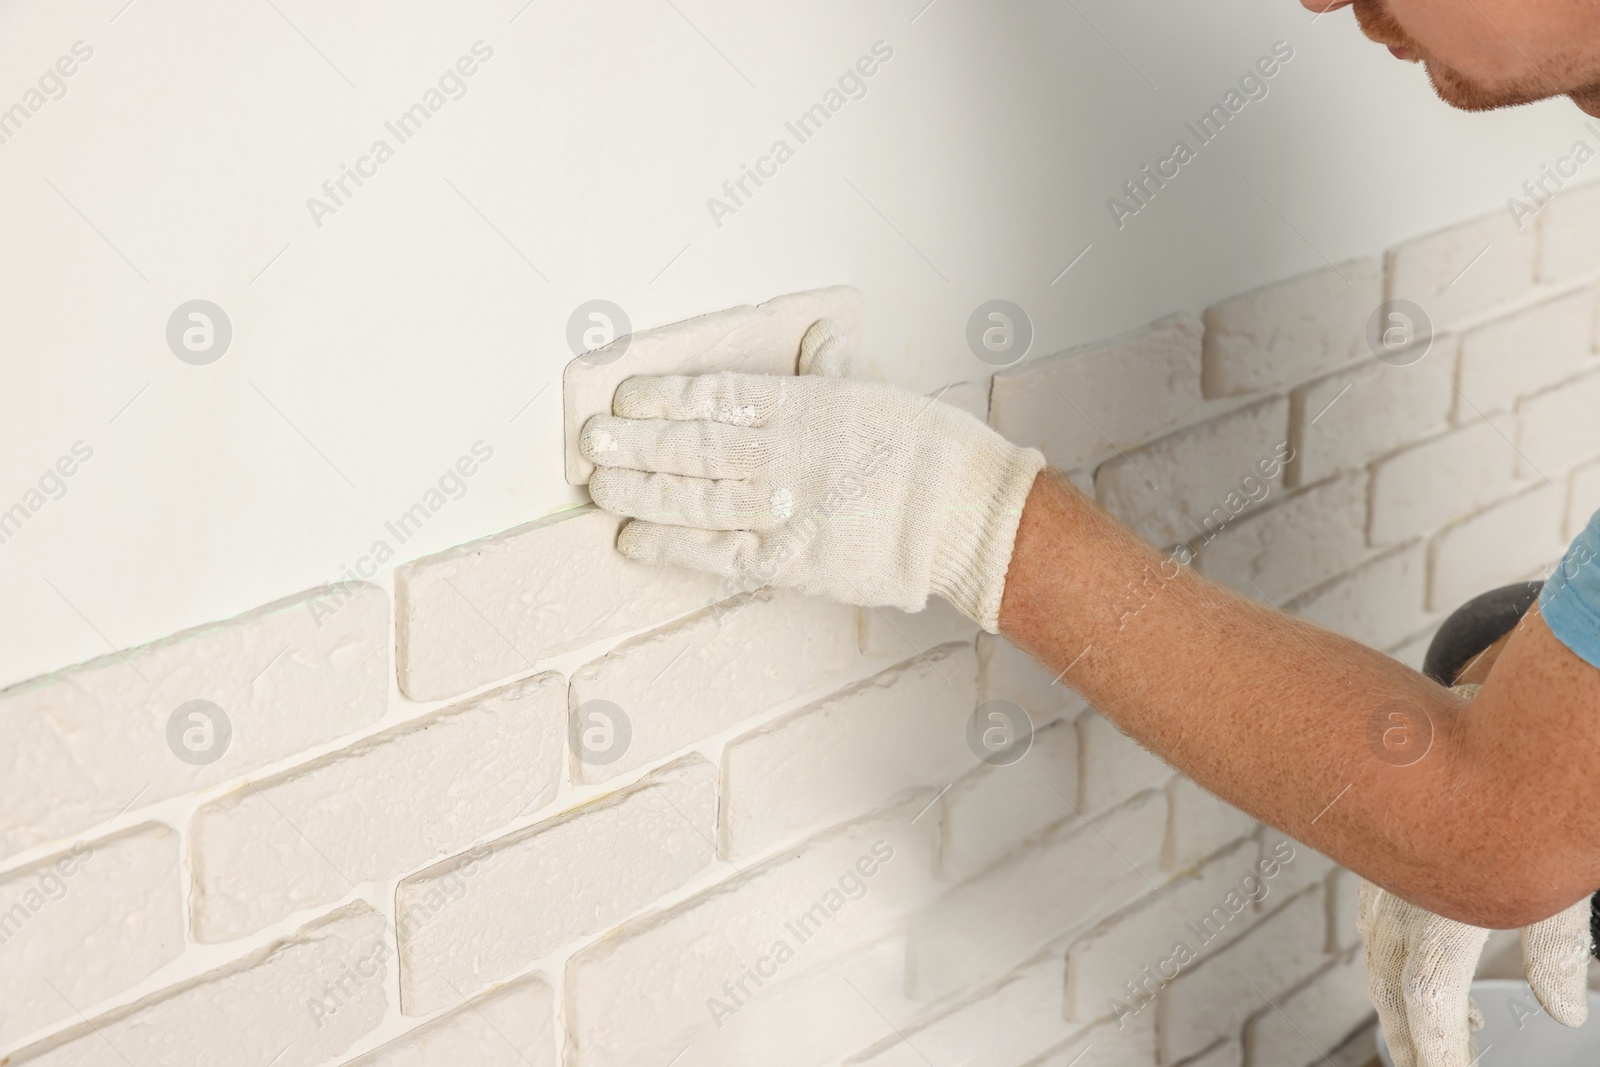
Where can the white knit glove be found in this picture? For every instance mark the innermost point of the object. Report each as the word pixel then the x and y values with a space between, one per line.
pixel 1420 968
pixel 842 488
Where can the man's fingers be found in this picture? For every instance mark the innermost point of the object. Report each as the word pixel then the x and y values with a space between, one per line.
pixel 698 502
pixel 1555 955
pixel 736 399
pixel 1437 983
pixel 697 448
pixel 822 351
pixel 716 552
pixel 1383 935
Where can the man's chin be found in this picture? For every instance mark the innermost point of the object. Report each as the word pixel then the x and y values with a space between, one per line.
pixel 1466 95
pixel 1587 99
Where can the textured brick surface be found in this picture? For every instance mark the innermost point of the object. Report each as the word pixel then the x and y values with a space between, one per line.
pixel 1458 271
pixel 88 741
pixel 1379 603
pixel 1569 233
pixel 1524 353
pixel 1007 1026
pixel 1288 547
pixel 119 899
pixel 511 1027
pixel 1133 1043
pixel 1184 910
pixel 481 917
pixel 1289 331
pixel 1069 879
pixel 1114 765
pixel 1432 484
pixel 1165 490
pixel 1505 543
pixel 1006 672
pixel 490 609
pixel 902 728
pixel 861 997
pixel 992 809
pixel 892 632
pixel 1085 401
pixel 1229 1053
pixel 1200 825
pixel 380 808
pixel 1557 428
pixel 1583 499
pixel 1212 1000
pixel 1299 865
pixel 640 993
pixel 699 676
pixel 296 1003
pixel 1319 1015
pixel 1346 420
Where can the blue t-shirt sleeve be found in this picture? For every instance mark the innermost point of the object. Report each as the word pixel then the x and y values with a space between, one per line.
pixel 1570 601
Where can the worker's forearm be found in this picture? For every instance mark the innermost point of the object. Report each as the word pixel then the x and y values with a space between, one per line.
pixel 1276 716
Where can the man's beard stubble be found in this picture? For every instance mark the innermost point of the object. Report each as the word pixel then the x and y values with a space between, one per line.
pixel 1455 88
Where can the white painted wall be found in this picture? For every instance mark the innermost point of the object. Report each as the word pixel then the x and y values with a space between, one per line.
pixel 405 328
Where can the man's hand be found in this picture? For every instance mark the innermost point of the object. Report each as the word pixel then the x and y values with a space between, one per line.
pixel 848 489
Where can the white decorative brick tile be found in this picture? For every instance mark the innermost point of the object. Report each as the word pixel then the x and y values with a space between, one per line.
pixel 646 989
pixel 1166 490
pixel 490 609
pixel 1523 353
pixel 1569 233
pixel 1288 331
pixel 85 924
pixel 847 753
pixel 514 1026
pixel 86 742
pixel 387 805
pixel 1380 603
pixel 1288 547
pixel 1458 271
pixel 697 677
pixel 483 916
pixel 1212 1000
pixel 298 1002
pixel 1438 481
pixel 1119 392
pixel 1346 420
pixel 1500 545
pixel 1067 880
pixel 992 809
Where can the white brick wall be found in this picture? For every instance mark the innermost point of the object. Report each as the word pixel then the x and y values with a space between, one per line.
pixel 1287 332
pixel 1165 490
pixel 1318 1016
pixel 492 608
pixel 1115 394
pixel 511 1027
pixel 385 806
pixel 88 742
pixel 466 922
pixel 368 875
pixel 698 677
pixel 902 728
pixel 121 895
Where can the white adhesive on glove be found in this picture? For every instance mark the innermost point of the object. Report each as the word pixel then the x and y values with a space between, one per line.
pixel 1420 968
pixel 842 488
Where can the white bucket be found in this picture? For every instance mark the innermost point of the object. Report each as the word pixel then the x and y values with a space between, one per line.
pixel 1517 1032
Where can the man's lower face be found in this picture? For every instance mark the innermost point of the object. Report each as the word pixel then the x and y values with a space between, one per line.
pixel 1453 87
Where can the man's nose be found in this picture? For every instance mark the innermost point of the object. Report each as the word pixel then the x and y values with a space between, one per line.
pixel 1325 5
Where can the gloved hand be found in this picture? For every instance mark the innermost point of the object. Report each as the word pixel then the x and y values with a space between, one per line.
pixel 847 489
pixel 1420 968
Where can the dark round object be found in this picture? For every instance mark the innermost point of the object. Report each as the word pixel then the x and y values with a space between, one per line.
pixel 1476 625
